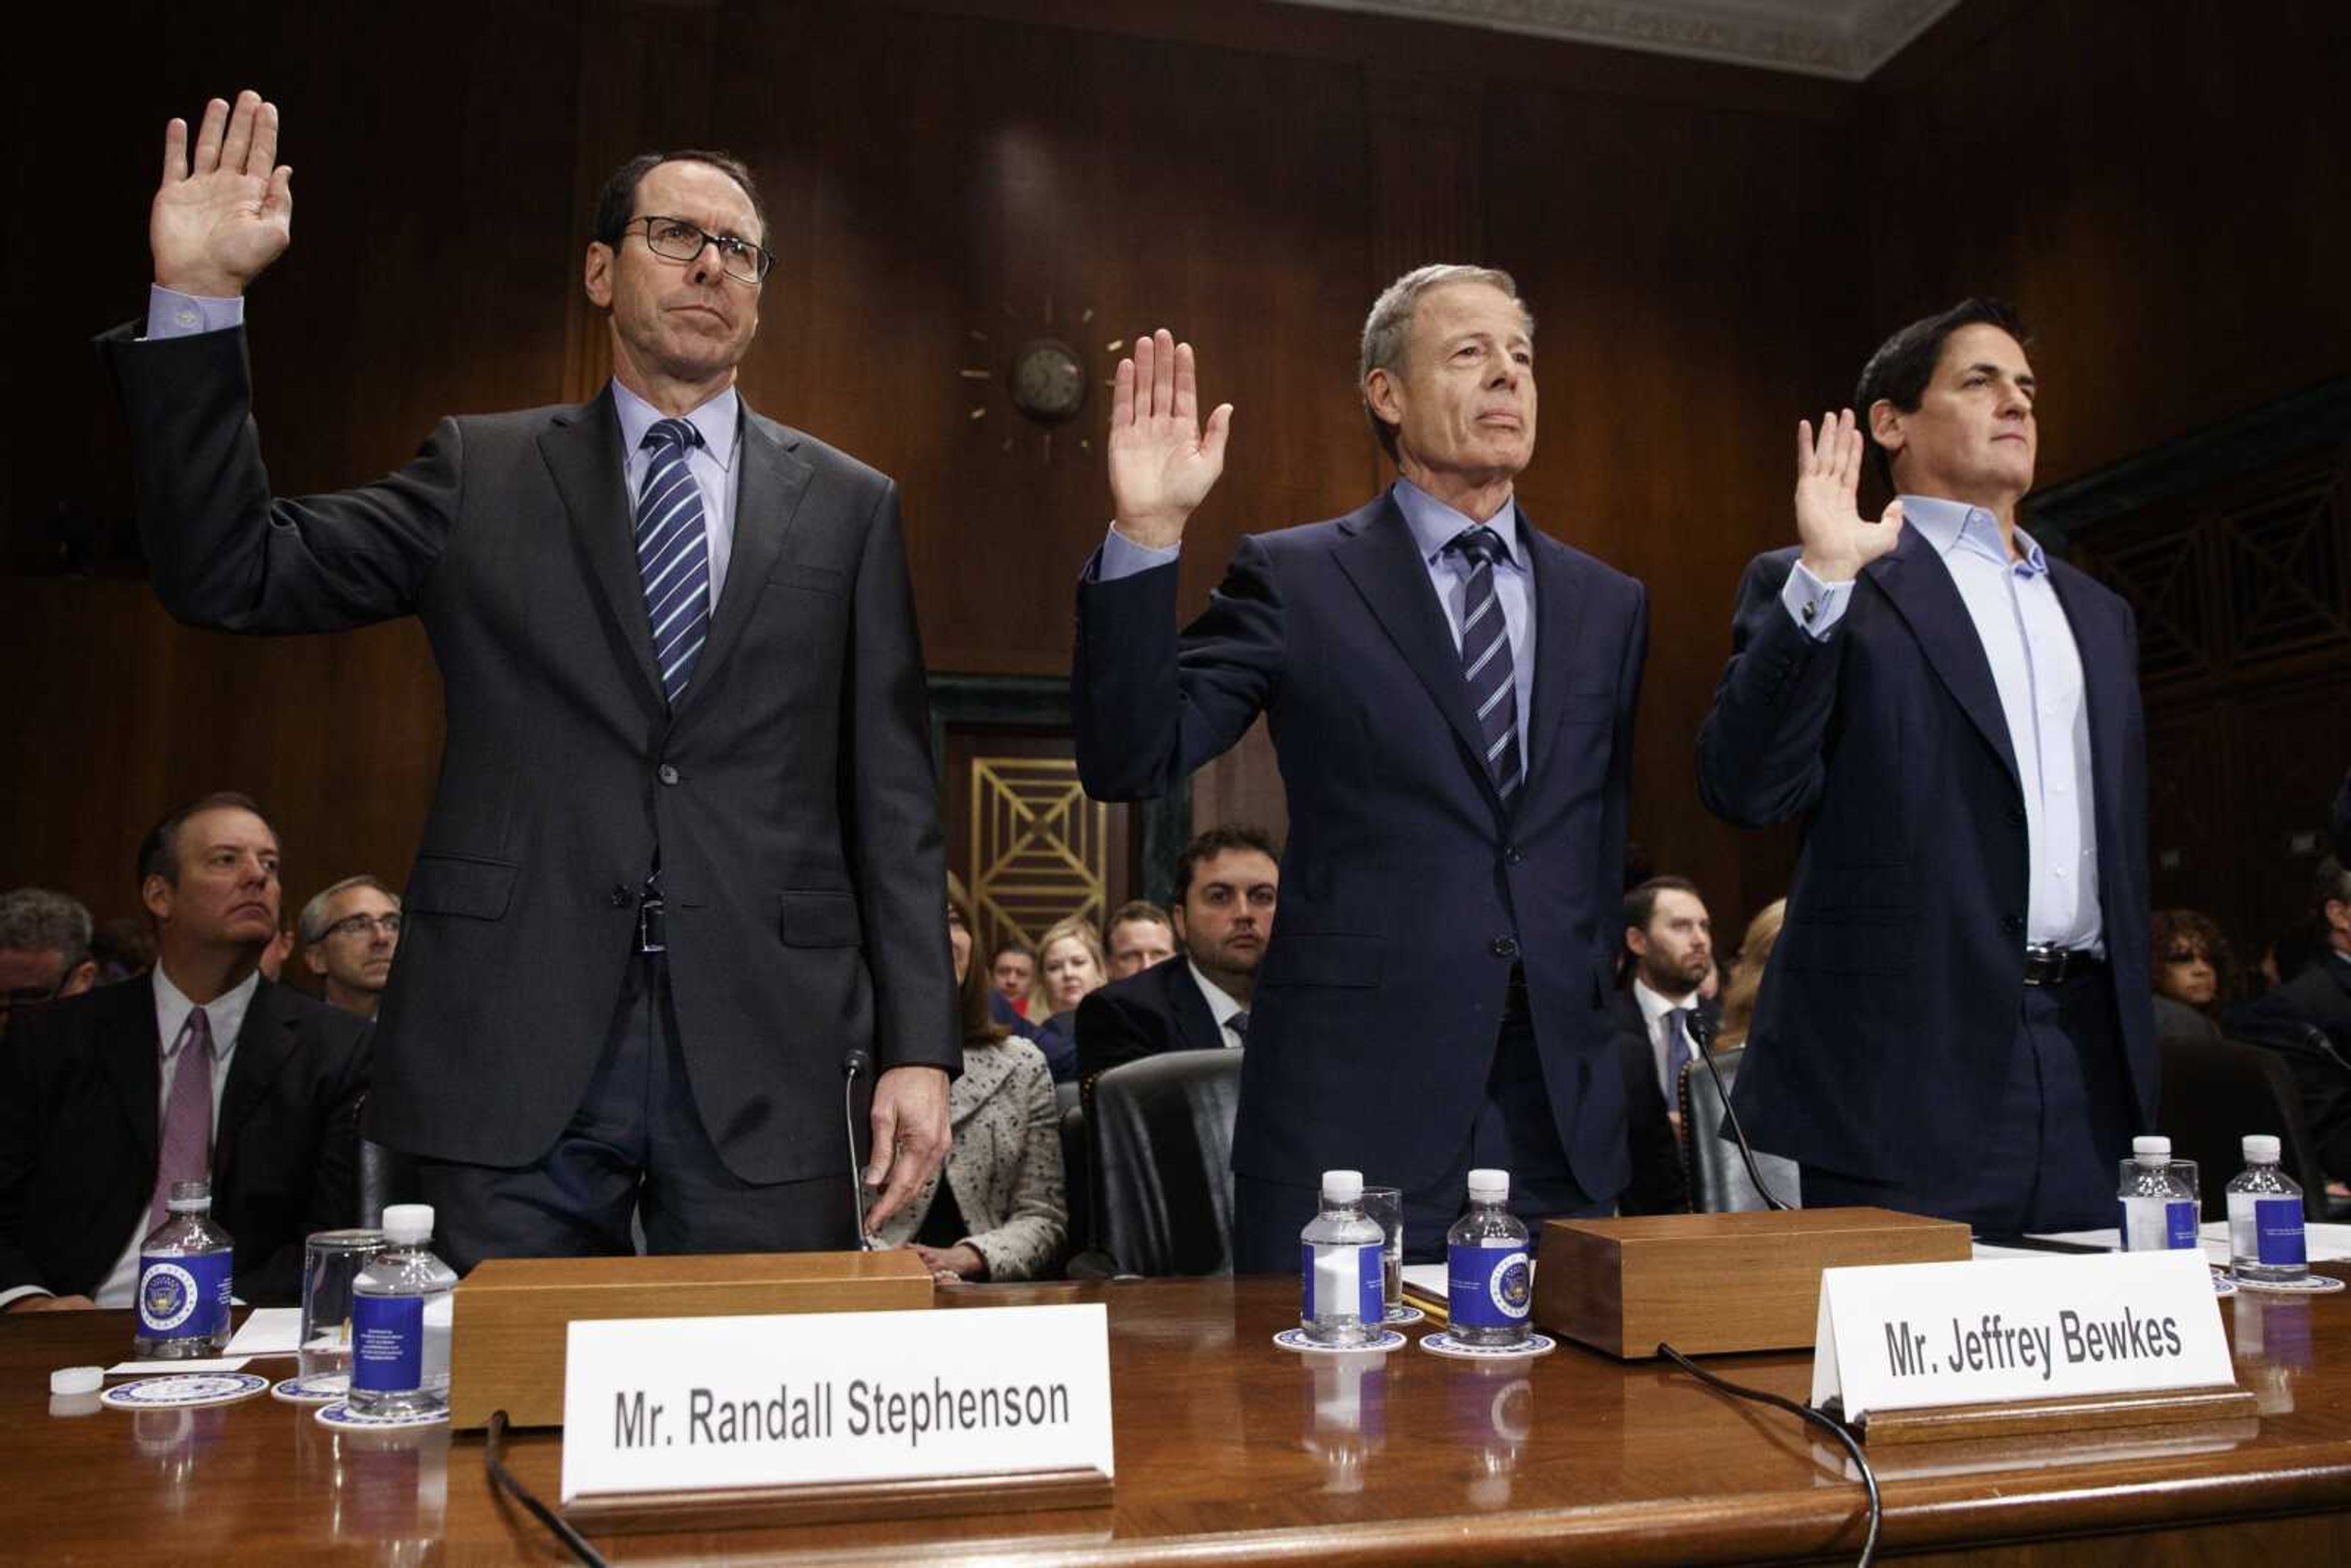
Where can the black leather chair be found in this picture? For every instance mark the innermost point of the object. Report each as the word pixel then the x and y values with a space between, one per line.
pixel 1161 1132
pixel 1719 1181
pixel 1076 1178
pixel 386 1176
pixel 2216 1091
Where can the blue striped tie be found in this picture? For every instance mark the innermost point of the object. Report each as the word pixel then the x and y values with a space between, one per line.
pixel 674 554
pixel 1486 658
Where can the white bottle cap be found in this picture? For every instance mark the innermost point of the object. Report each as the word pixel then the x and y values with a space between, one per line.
pixel 76 1379
pixel 1488 1186
pixel 2261 1146
pixel 2152 1151
pixel 1343 1187
pixel 405 1222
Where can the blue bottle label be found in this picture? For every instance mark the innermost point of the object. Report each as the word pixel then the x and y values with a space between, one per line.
pixel 2277 1223
pixel 2179 1223
pixel 1332 1273
pixel 1487 1287
pixel 2172 1226
pixel 183 1296
pixel 388 1343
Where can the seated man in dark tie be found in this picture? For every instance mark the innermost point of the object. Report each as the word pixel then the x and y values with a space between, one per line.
pixel 1227 880
pixel 202 1072
pixel 1662 1022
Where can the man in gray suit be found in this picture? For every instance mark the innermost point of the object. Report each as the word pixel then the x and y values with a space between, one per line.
pixel 684 858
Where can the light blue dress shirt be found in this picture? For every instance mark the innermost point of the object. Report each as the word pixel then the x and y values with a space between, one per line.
pixel 2037 668
pixel 1433 525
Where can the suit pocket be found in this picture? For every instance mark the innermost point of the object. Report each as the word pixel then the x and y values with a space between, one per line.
pixel 456 884
pixel 1322 958
pixel 813 578
pixel 816 920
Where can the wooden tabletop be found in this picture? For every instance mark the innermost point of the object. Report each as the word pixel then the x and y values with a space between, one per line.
pixel 1229 1449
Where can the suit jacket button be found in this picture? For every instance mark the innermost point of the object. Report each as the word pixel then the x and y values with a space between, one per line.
pixel 1506 946
pixel 666 774
pixel 1513 856
pixel 619 896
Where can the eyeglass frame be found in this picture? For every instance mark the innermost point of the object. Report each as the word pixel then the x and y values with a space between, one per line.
pixel 643 223
pixel 351 924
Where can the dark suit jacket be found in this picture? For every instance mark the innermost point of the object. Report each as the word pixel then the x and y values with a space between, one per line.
pixel 80 1083
pixel 1881 1039
pixel 1409 890
pixel 1159 1009
pixel 2319 998
pixel 1660 1183
pixel 789 796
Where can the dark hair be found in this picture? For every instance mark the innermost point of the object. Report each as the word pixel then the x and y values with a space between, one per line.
pixel 1217 841
pixel 1011 944
pixel 2202 932
pixel 159 852
pixel 616 203
pixel 2331 885
pixel 979 1020
pixel 1641 902
pixel 1898 372
pixel 1137 909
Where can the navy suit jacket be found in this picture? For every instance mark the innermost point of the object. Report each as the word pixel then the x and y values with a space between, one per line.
pixel 1158 1010
pixel 1409 890
pixel 1882 1038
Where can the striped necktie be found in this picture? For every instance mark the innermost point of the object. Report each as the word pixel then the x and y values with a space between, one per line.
pixel 673 553
pixel 1486 658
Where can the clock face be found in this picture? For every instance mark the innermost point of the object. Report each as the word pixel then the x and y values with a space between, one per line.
pixel 1047 381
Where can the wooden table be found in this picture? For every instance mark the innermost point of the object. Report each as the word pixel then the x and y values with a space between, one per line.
pixel 1230 1450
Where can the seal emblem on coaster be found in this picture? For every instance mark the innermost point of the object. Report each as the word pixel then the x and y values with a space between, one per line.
pixel 329 1388
pixel 187 1389
pixel 1443 1343
pixel 1377 1339
pixel 344 1418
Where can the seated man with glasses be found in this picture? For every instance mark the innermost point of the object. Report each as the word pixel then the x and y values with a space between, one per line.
pixel 350 932
pixel 44 950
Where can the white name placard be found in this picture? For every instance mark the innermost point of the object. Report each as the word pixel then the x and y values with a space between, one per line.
pixel 1911 1335
pixel 674 1404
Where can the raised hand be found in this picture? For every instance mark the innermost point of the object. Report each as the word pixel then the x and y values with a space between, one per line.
pixel 217 222
pixel 1162 465
pixel 1837 540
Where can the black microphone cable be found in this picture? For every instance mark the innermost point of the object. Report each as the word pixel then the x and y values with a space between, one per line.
pixel 1703 1033
pixel 494 1460
pixel 855 1062
pixel 1828 1424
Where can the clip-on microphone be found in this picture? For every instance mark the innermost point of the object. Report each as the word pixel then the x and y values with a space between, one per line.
pixel 853 1063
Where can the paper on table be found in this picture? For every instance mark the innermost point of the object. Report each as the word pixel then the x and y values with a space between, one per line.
pixel 174 1368
pixel 2329 1243
pixel 1426 1278
pixel 269 1331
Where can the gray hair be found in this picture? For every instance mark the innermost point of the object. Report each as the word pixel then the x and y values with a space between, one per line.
pixel 1388 326
pixel 312 926
pixel 35 920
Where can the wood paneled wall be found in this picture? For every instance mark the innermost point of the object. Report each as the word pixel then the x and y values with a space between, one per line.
pixel 1709 252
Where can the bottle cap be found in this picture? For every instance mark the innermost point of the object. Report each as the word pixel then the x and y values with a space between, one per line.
pixel 76 1379
pixel 1488 1186
pixel 2150 1151
pixel 408 1222
pixel 1343 1187
pixel 190 1197
pixel 2261 1146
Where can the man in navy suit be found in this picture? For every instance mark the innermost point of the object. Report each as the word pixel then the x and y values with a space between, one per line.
pixel 1956 1019
pixel 1451 694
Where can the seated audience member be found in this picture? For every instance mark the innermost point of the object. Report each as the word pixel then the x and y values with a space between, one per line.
pixel 44 951
pixel 2191 967
pixel 2308 1021
pixel 1013 969
pixel 999 1208
pixel 349 934
pixel 1660 1015
pixel 1745 981
pixel 205 1071
pixel 1228 882
pixel 1070 964
pixel 122 946
pixel 1140 935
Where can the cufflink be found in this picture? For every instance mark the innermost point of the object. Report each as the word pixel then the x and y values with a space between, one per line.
pixel 1812 607
pixel 188 317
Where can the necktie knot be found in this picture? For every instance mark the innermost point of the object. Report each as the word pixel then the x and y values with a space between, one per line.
pixel 196 1035
pixel 1238 1024
pixel 1480 546
pixel 676 433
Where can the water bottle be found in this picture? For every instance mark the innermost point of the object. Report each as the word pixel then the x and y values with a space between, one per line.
pixel 183 1280
pixel 1489 1284
pixel 399 1320
pixel 2159 1207
pixel 1339 1266
pixel 2265 1235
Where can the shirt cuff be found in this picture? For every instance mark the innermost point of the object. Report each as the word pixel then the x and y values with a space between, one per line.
pixel 1121 557
pixel 172 314
pixel 10 1297
pixel 1815 606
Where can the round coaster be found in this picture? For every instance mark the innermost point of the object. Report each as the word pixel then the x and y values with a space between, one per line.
pixel 188 1388
pixel 344 1418
pixel 1379 1339
pixel 2308 1285
pixel 1401 1314
pixel 2222 1284
pixel 1443 1343
pixel 329 1388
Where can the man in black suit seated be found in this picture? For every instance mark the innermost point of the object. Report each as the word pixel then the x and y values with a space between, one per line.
pixel 201 1071
pixel 1661 1020
pixel 44 951
pixel 1227 879
pixel 2308 1019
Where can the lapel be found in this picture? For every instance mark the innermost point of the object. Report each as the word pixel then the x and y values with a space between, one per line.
pixel 1194 1020
pixel 263 1041
pixel 582 451
pixel 124 1023
pixel 1922 591
pixel 768 490
pixel 1378 555
pixel 1559 594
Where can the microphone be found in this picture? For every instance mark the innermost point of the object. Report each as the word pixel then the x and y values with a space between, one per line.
pixel 857 1060
pixel 1702 1031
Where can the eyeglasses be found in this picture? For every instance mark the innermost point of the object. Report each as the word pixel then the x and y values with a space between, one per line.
pixel 677 240
pixel 2185 956
pixel 363 925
